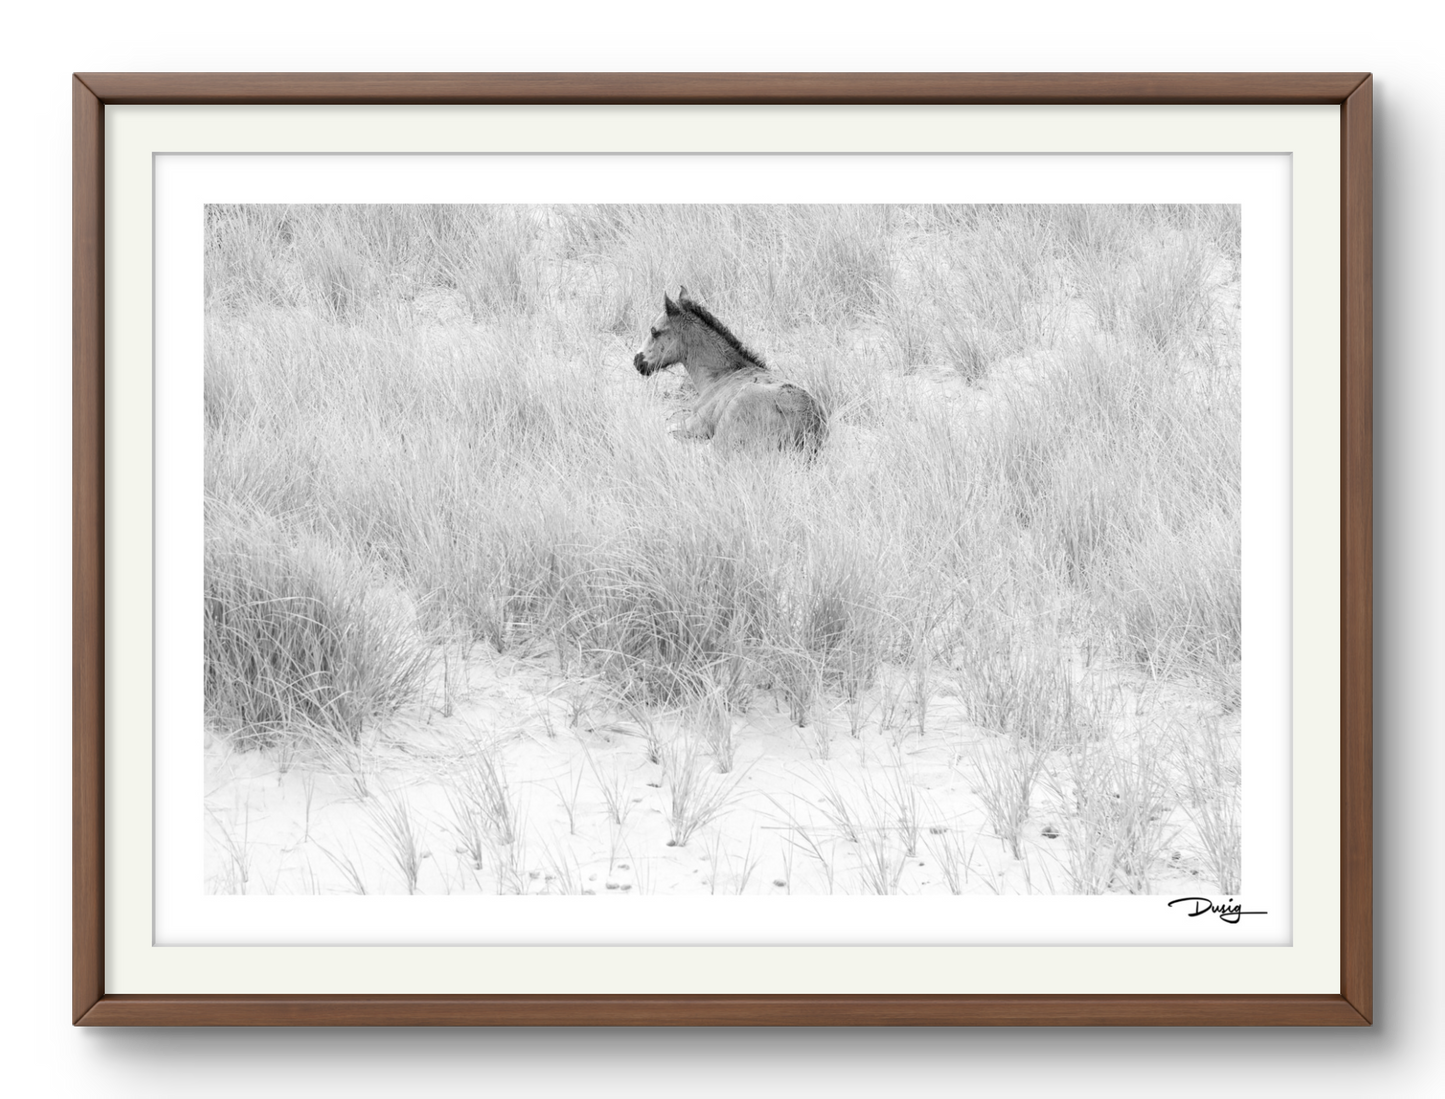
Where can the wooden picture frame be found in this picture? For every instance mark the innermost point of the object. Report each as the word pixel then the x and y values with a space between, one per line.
pixel 1350 1005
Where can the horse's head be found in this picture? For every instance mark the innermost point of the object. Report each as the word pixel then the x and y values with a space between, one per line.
pixel 664 346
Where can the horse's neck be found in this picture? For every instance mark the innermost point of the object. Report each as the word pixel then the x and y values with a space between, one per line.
pixel 713 362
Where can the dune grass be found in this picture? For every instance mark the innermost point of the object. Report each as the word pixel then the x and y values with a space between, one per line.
pixel 422 430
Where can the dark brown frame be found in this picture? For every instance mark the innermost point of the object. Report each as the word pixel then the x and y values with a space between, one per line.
pixel 91 1006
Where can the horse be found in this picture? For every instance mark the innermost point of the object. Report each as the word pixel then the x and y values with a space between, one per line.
pixel 740 402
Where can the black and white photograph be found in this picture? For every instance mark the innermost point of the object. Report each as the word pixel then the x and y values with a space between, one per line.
pixel 722 550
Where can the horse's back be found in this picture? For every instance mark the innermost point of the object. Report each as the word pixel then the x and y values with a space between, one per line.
pixel 767 412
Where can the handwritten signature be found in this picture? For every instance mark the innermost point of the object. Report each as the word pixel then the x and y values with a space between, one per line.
pixel 1229 912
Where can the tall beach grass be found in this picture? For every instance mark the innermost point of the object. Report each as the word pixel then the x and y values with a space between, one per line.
pixel 422 423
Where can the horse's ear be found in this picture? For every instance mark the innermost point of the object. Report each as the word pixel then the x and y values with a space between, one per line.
pixel 669 306
pixel 682 294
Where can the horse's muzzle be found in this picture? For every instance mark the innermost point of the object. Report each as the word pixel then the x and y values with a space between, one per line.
pixel 643 366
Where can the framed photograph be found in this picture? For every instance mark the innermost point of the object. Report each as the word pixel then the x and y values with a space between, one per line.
pixel 722 549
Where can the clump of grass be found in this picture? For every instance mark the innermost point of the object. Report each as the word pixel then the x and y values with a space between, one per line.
pixel 509 861
pixel 999 292
pixel 351 761
pixel 1017 682
pixel 969 347
pixel 1114 811
pixel 826 628
pixel 484 813
pixel 819 738
pixel 901 800
pixel 245 247
pixel 616 791
pixel 694 798
pixel 908 319
pixel 964 336
pixel 1210 761
pixel 1140 816
pixel 338 276
pixel 491 260
pixel 1178 603
pixel 569 801
pixel 796 673
pixel 1224 225
pixel 646 728
pixel 948 851
pixel 237 848
pixel 296 634
pixel 471 826
pixel 563 874
pixel 1006 770
pixel 1084 804
pixel 843 256
pixel 1085 229
pixel 893 709
pixel 713 719
pixel 801 836
pixel 665 607
pixel 392 817
pixel 837 807
pixel 1171 297
pixel 881 861
pixel 486 801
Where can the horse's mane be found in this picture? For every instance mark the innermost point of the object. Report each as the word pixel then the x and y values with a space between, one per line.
pixel 701 313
